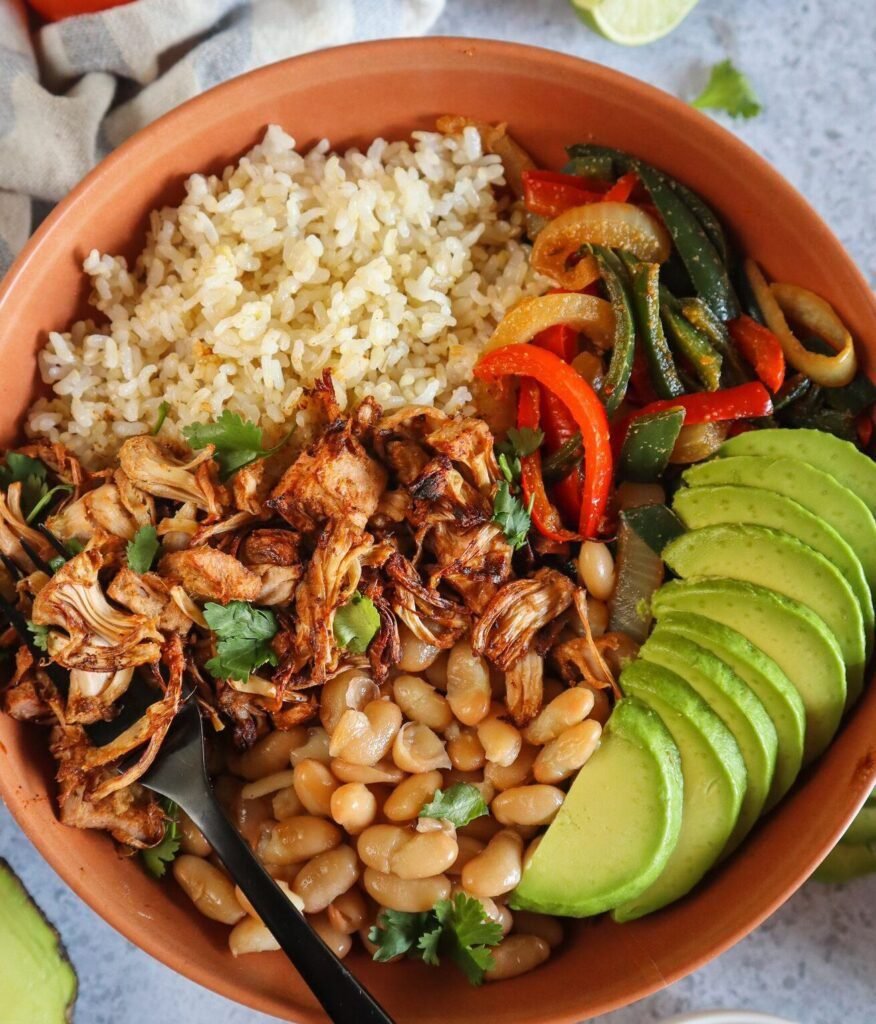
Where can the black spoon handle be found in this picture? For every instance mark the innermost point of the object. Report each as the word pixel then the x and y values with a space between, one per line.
pixel 341 995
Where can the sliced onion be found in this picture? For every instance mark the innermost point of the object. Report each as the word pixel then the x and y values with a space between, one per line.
pixel 586 313
pixel 639 570
pixel 817 316
pixel 697 441
pixel 616 225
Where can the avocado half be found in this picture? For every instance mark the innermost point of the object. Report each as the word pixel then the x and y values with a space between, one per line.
pixel 37 981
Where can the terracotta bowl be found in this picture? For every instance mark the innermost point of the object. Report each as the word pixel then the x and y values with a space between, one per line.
pixel 351 95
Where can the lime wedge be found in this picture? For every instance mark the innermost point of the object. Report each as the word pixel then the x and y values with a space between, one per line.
pixel 633 22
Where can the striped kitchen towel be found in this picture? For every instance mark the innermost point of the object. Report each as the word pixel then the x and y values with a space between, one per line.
pixel 72 91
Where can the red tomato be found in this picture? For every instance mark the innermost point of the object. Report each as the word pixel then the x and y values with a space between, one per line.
pixel 55 10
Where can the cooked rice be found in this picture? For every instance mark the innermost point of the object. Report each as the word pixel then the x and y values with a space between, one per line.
pixel 391 267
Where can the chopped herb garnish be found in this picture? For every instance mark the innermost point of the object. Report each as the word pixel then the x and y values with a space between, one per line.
pixel 30 473
pixel 56 562
pixel 238 442
pixel 40 635
pixel 728 89
pixel 356 624
pixel 156 859
pixel 510 513
pixel 517 444
pixel 163 410
pixel 141 551
pixel 459 804
pixel 46 500
pixel 243 635
pixel 457 928
pixel 74 546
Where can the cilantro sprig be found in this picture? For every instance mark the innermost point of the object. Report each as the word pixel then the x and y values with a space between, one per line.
pixel 511 514
pixel 508 510
pixel 32 474
pixel 243 639
pixel 356 624
pixel 518 442
pixel 141 551
pixel 459 804
pixel 163 410
pixel 730 90
pixel 457 928
pixel 156 858
pixel 40 635
pixel 238 442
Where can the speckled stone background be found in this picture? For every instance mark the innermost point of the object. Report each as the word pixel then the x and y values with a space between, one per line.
pixel 814 67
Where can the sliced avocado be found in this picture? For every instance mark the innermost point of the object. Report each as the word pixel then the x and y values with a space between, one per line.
pixel 709 506
pixel 618 825
pixel 714 783
pixel 775 559
pixel 37 981
pixel 815 490
pixel 847 861
pixel 863 828
pixel 777 693
pixel 841 459
pixel 737 707
pixel 786 631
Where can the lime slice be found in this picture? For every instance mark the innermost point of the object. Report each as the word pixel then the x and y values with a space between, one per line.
pixel 633 22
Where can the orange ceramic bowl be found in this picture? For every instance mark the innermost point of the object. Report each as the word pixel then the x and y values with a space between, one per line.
pixel 351 95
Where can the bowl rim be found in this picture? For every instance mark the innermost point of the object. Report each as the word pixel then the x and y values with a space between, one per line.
pixel 433 46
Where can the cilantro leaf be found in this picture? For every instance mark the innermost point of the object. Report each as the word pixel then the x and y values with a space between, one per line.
pixel 467 934
pixel 40 635
pixel 46 500
pixel 238 442
pixel 459 804
pixel 356 624
pixel 398 932
pixel 163 410
pixel 525 440
pixel 509 513
pixel 56 562
pixel 30 473
pixel 510 466
pixel 141 551
pixel 156 858
pixel 728 89
pixel 457 928
pixel 243 635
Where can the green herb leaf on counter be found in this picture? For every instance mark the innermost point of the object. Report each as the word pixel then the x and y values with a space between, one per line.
pixel 730 90
pixel 243 635
pixel 30 473
pixel 40 635
pixel 457 928
pixel 141 551
pixel 237 441
pixel 156 859
pixel 510 513
pixel 356 624
pixel 459 804
pixel 163 410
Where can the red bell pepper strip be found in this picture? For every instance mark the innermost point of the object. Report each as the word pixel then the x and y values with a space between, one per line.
pixel 561 339
pixel 622 189
pixel 567 495
pixel 549 193
pixel 582 403
pixel 760 347
pixel 740 403
pixel 544 515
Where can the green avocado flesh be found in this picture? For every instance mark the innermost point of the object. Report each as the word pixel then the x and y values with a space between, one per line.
pixel 714 783
pixel 786 631
pixel 815 490
pixel 847 861
pixel 841 459
pixel 711 506
pixel 774 559
pixel 37 982
pixel 618 825
pixel 863 828
pixel 764 677
pixel 737 707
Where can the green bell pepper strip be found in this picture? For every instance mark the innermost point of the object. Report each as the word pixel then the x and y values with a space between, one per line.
pixel 792 390
pixel 617 379
pixel 695 347
pixel 657 525
pixel 646 305
pixel 697 313
pixel 648 445
pixel 561 462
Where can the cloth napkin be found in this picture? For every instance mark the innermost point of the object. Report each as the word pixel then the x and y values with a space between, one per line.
pixel 72 91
